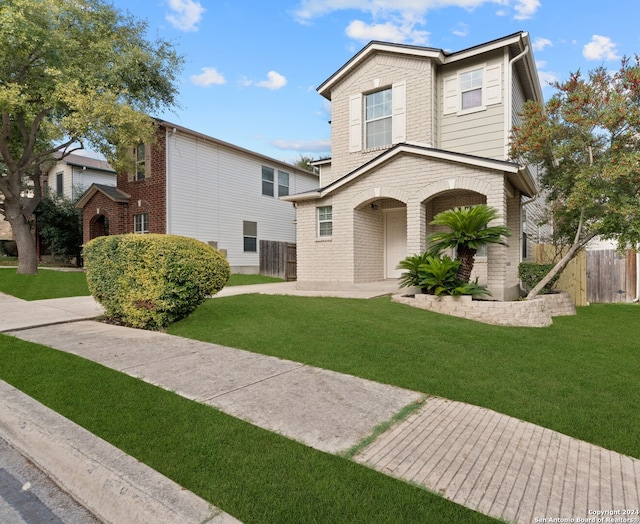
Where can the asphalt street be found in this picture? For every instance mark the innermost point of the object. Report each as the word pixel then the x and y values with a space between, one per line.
pixel 28 496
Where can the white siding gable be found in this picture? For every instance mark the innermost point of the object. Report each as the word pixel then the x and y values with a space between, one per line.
pixel 212 190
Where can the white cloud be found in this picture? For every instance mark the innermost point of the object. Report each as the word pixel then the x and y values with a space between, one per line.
pixel 274 81
pixel 400 20
pixel 185 15
pixel 540 43
pixel 209 76
pixel 387 32
pixel 600 48
pixel 305 146
pixel 546 78
pixel 526 9
pixel 461 30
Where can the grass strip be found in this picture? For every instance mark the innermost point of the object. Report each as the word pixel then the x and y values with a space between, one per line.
pixel 47 283
pixel 402 415
pixel 59 284
pixel 255 475
pixel 578 376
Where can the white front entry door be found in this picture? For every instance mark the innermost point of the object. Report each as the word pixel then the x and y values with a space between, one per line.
pixel 395 241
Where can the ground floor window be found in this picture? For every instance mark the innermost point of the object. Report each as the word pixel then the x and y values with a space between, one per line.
pixel 325 221
pixel 250 234
pixel 141 223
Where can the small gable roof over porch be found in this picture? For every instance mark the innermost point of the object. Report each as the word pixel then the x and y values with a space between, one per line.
pixel 518 176
pixel 112 193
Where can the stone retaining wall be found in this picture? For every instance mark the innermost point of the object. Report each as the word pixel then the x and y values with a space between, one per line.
pixel 530 313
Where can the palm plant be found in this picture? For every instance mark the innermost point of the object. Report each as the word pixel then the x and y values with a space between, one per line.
pixel 469 230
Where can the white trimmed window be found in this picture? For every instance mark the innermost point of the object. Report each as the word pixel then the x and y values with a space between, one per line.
pixel 325 222
pixel 59 184
pixel 378 119
pixel 472 90
pixel 268 174
pixel 283 183
pixel 471 84
pixel 141 223
pixel 250 236
pixel 377 114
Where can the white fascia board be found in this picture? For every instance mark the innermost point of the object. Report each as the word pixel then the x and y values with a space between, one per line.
pixel 376 47
pixel 484 48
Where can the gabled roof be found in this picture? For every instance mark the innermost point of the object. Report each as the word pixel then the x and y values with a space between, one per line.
pixel 517 42
pixel 518 177
pixel 175 127
pixel 111 192
pixel 84 161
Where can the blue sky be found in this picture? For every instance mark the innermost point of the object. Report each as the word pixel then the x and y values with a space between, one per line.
pixel 252 67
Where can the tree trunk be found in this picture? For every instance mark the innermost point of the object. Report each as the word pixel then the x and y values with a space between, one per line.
pixel 559 267
pixel 26 244
pixel 466 256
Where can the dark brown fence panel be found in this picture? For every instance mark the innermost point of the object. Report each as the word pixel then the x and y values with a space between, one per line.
pixel 278 259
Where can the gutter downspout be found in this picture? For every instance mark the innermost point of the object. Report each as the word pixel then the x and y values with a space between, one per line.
pixel 510 112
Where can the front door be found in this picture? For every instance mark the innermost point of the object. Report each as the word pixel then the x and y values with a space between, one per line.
pixel 395 240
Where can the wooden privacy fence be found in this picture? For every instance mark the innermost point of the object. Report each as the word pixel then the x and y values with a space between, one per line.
pixel 573 279
pixel 278 259
pixel 601 275
pixel 611 277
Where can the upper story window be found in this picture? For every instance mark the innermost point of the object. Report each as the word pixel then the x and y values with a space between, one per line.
pixel 59 184
pixel 141 162
pixel 378 118
pixel 267 180
pixel 471 90
pixel 283 183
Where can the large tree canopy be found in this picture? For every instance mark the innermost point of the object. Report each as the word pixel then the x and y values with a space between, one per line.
pixel 586 140
pixel 73 73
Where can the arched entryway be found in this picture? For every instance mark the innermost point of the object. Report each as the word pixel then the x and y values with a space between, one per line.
pixel 99 226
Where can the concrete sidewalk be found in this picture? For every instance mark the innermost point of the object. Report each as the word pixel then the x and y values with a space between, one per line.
pixel 481 459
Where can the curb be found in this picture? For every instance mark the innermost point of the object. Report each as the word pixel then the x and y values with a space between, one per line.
pixel 112 485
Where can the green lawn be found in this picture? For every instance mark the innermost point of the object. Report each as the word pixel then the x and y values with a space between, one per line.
pixel 47 283
pixel 56 284
pixel 580 376
pixel 251 473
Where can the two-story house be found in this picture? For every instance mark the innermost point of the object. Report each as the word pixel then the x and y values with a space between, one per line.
pixel 190 184
pixel 72 175
pixel 415 131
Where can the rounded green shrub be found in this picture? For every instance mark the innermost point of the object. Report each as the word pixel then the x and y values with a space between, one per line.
pixel 151 281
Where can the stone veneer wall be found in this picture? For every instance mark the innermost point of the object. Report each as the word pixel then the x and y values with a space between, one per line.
pixel 528 313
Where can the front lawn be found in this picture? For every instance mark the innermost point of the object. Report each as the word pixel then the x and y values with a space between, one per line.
pixel 257 476
pixel 47 283
pixel 58 284
pixel 580 376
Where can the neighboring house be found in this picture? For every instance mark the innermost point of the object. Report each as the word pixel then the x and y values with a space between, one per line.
pixel 74 174
pixel 415 131
pixel 69 177
pixel 190 184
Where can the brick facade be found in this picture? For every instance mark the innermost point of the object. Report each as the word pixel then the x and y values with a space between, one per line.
pixel 414 173
pixel 145 196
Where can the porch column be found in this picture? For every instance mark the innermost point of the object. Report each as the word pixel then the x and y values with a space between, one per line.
pixel 497 254
pixel 416 227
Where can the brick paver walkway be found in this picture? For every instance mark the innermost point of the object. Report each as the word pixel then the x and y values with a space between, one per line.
pixel 507 468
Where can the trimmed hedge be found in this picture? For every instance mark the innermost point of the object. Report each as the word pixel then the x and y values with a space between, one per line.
pixel 151 281
pixel 531 273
